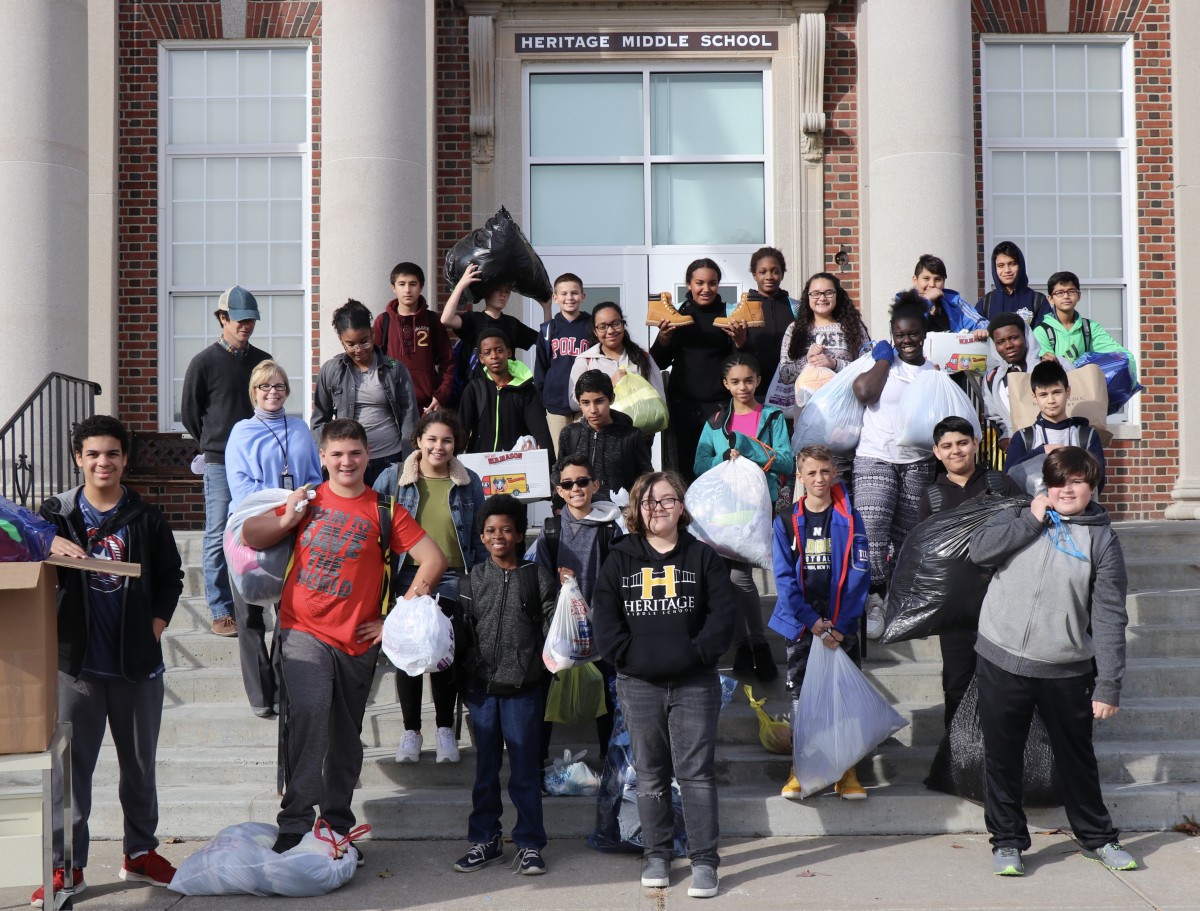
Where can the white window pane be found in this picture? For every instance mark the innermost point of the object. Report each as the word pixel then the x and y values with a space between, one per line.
pixel 252 264
pixel 222 268
pixel 186 73
pixel 289 353
pixel 611 195
pixel 187 222
pixel 706 114
pixel 1041 259
pixel 254 72
pixel 254 120
pixel 1071 111
pixel 289 71
pixel 253 175
pixel 1107 307
pixel 187 178
pixel 285 264
pixel 287 313
pixel 599 294
pixel 188 348
pixel 1106 172
pixel 285 178
pixel 1104 67
pixel 187 264
pixel 1040 172
pixel 1106 214
pixel 177 398
pixel 1043 214
pixel 1037 65
pixel 1106 257
pixel 585 114
pixel 221 121
pixel 1104 115
pixel 1003 115
pixel 222 72
pixel 1008 215
pixel 253 223
pixel 1074 254
pixel 190 316
pixel 708 203
pixel 222 179
pixel 285 220
pixel 1003 66
pixel 1039 114
pixel 221 222
pixel 1072 172
pixel 1073 215
pixel 1008 172
pixel 187 122
pixel 1068 67
pixel 289 120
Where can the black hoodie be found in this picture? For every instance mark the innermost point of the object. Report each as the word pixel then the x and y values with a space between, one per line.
pixel 999 301
pixel 619 452
pixel 663 616
pixel 696 354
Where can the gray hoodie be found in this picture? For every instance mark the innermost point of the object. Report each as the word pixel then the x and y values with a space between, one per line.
pixel 1048 613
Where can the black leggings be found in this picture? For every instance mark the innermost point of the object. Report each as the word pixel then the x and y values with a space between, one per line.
pixel 409 690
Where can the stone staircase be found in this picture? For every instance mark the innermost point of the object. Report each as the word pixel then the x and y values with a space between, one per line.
pixel 216 760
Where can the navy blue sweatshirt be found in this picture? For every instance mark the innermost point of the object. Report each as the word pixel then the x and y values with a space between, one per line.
pixel 559 341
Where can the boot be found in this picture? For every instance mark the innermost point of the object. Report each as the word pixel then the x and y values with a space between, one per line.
pixel 659 308
pixel 848 787
pixel 749 309
pixel 791 790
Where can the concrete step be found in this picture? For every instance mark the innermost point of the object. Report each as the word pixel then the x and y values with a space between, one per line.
pixel 1162 540
pixel 1174 640
pixel 223 685
pixel 1155 574
pixel 1149 608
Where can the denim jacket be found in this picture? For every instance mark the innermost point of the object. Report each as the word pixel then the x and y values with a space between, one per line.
pixel 335 394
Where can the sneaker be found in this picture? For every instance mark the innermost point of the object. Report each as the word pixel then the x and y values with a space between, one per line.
pixel 704 882
pixel 1113 856
pixel 150 868
pixel 410 747
pixel 749 310
pixel 875 616
pixel 743 662
pixel 659 308
pixel 286 841
pixel 1007 862
pixel 224 626
pixel 361 861
pixel 656 872
pixel 480 856
pixel 263 711
pixel 791 790
pixel 765 668
pixel 529 862
pixel 848 787
pixel 60 883
pixel 447 746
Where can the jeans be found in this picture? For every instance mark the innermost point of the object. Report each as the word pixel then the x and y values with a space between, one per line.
pixel 514 722
pixel 673 731
pixel 216 514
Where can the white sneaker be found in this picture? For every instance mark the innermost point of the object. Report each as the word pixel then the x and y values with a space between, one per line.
pixel 410 747
pixel 447 745
pixel 875 616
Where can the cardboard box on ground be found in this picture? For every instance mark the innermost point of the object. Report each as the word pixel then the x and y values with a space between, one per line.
pixel 1088 398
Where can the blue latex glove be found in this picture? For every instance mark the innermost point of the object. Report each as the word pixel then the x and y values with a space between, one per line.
pixel 883 351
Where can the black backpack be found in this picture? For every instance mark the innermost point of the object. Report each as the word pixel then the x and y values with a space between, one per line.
pixel 531 602
pixel 1087 335
pixel 995 484
pixel 1086 435
pixel 607 534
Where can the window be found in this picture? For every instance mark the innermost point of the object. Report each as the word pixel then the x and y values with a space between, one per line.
pixel 236 181
pixel 1057 152
pixel 630 159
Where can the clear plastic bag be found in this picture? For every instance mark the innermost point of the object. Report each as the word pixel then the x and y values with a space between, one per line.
pixel 1028 475
pixel 834 415
pixel 930 398
pixel 24 536
pixel 839 718
pixel 569 640
pixel 570 776
pixel 641 403
pixel 782 395
pixel 576 694
pixel 258 574
pixel 732 511
pixel 417 637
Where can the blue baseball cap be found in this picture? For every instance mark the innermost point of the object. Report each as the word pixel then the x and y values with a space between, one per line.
pixel 239 304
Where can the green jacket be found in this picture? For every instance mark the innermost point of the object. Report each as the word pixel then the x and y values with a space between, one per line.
pixel 1073 343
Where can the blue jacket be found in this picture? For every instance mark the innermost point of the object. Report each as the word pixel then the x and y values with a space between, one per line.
pixel 716 440
pixel 559 342
pixel 793 613
pixel 958 311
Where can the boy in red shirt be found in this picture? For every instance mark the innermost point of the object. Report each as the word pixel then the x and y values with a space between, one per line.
pixel 331 623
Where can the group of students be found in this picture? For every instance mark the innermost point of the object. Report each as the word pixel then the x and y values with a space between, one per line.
pixel 665 606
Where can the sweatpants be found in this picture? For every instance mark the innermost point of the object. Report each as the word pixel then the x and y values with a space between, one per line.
pixel 888 496
pixel 133 711
pixel 327 695
pixel 260 665
pixel 749 629
pixel 1006 704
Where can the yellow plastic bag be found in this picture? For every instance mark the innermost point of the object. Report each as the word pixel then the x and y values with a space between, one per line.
pixel 773 733
pixel 640 401
pixel 576 694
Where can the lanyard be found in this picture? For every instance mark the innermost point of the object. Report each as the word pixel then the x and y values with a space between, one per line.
pixel 287 472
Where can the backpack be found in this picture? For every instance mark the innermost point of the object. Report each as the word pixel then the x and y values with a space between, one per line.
pixel 552 533
pixel 995 484
pixel 531 602
pixel 1086 435
pixel 386 505
pixel 1087 335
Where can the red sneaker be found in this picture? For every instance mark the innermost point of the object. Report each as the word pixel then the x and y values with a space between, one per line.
pixel 149 868
pixel 60 883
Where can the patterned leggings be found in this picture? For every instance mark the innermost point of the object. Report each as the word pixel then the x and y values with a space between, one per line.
pixel 887 497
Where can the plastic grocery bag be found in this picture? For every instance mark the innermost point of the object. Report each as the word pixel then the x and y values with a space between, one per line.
pixel 258 574
pixel 569 640
pixel 834 415
pixel 775 734
pixel 732 511
pixel 417 637
pixel 504 256
pixel 570 776
pixel 929 399
pixel 1118 376
pixel 641 403
pixel 808 382
pixel 576 694
pixel 1028 475
pixel 25 537
pixel 935 587
pixel 239 861
pixel 782 395
pixel 839 718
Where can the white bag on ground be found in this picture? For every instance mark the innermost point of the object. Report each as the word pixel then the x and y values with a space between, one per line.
pixel 839 718
pixel 930 398
pixel 258 574
pixel 417 637
pixel 732 511
pixel 569 640
pixel 834 415
pixel 239 861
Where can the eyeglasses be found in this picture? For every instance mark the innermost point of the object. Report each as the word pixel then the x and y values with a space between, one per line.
pixel 603 328
pixel 568 483
pixel 668 503
pixel 361 346
pixel 1063 295
pixel 825 295
pixel 268 387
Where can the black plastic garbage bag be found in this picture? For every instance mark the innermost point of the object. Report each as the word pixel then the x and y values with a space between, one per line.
pixel 935 587
pixel 504 256
pixel 958 766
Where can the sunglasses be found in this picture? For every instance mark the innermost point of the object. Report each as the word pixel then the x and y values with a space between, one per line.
pixel 568 483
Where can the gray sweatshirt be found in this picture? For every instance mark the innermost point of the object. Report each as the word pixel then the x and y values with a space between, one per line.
pixel 1048 613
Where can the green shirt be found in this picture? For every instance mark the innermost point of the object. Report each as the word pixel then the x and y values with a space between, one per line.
pixel 433 515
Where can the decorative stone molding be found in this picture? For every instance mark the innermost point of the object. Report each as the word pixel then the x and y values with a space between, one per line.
pixel 481 43
pixel 812 85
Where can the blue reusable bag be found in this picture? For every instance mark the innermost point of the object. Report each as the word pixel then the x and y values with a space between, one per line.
pixel 1118 377
pixel 24 536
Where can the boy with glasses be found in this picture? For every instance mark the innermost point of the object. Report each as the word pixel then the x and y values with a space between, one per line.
pixel 1066 336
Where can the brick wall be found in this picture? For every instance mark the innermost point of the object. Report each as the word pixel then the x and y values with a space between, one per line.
pixel 453 125
pixel 842 216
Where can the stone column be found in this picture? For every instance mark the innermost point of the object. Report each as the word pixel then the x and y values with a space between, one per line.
pixel 375 167
pixel 103 249
pixel 918 146
pixel 44 185
pixel 1185 71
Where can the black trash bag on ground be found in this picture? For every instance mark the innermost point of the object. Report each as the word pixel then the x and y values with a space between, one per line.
pixel 504 256
pixel 958 766
pixel 935 587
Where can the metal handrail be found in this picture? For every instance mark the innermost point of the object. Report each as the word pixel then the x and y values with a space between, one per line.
pixel 35 443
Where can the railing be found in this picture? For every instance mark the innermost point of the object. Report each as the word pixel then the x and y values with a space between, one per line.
pixel 35 443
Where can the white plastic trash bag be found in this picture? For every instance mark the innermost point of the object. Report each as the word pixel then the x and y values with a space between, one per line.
pixel 731 511
pixel 258 574
pixel 834 415
pixel 571 777
pixel 417 637
pixel 839 718
pixel 239 861
pixel 782 395
pixel 930 398
pixel 569 641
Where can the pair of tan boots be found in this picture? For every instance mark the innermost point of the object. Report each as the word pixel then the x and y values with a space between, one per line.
pixel 749 310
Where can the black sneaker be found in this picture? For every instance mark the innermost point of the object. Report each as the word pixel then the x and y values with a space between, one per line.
pixel 286 841
pixel 743 663
pixel 480 856
pixel 529 862
pixel 362 858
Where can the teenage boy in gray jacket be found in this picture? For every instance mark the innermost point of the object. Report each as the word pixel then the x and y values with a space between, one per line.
pixel 1051 635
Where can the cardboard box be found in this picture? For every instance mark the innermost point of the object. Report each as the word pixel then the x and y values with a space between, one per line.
pixel 525 475
pixel 1088 398
pixel 28 657
pixel 956 351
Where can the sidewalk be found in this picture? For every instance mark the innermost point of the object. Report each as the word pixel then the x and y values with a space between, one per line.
pixel 840 874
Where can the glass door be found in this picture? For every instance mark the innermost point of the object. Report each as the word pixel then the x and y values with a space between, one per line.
pixel 668 271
